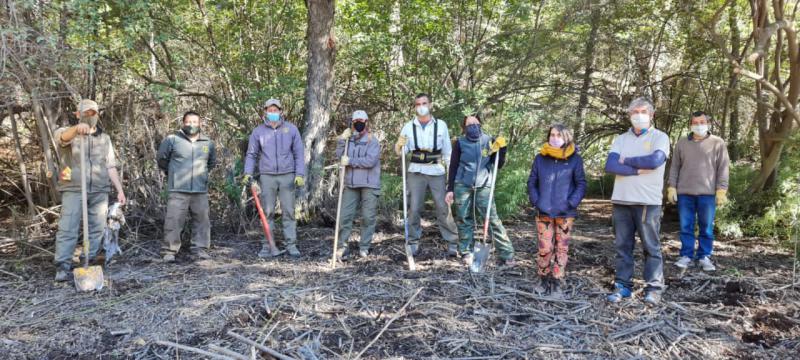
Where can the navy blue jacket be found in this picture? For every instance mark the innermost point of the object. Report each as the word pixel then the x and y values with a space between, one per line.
pixel 555 186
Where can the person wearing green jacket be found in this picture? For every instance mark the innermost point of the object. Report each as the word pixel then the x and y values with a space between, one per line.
pixel 187 157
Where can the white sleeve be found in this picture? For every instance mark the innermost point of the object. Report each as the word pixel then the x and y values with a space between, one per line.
pixel 662 143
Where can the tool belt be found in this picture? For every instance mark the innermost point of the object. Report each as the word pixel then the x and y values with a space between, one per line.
pixel 426 157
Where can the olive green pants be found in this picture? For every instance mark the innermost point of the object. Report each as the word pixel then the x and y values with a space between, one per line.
pixel 352 199
pixel 465 199
pixel 70 225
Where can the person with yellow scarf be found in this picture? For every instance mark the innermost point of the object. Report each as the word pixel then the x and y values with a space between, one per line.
pixel 556 186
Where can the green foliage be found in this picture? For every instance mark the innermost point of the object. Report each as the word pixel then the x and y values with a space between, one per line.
pixel 770 213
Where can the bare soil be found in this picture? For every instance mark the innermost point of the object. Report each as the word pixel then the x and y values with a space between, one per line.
pixel 301 308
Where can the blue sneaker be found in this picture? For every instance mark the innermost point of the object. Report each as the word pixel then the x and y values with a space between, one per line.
pixel 620 292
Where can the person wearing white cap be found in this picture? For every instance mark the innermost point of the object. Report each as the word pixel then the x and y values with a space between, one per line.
pixel 100 175
pixel 362 180
pixel 278 147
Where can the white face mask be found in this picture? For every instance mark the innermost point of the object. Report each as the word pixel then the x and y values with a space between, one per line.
pixel 423 110
pixel 700 130
pixel 640 121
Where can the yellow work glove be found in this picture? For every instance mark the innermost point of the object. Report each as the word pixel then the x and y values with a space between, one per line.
pixel 672 195
pixel 246 180
pixel 722 197
pixel 298 181
pixel 498 143
pixel 345 160
pixel 398 146
pixel 345 135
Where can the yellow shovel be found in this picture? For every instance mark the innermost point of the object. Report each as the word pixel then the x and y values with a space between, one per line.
pixel 87 277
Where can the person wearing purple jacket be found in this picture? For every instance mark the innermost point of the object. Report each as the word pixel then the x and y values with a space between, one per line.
pixel 362 180
pixel 278 147
pixel 556 186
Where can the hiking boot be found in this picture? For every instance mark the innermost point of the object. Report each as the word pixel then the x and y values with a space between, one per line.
pixel 683 262
pixel 414 249
pixel 706 264
pixel 344 254
pixel 543 287
pixel 620 292
pixel 467 259
pixel 293 252
pixel 168 258
pixel 201 254
pixel 555 289
pixel 452 250
pixel 62 274
pixel 508 262
pixel 652 298
pixel 363 253
pixel 267 253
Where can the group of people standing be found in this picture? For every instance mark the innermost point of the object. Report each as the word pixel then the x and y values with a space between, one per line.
pixel 455 172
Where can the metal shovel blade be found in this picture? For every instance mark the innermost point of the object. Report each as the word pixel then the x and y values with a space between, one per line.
pixel 88 278
pixel 480 255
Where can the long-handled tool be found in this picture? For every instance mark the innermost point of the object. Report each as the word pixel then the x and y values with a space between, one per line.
pixel 86 277
pixel 342 169
pixel 265 224
pixel 481 253
pixel 409 255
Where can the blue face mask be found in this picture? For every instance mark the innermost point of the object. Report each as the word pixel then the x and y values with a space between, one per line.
pixel 473 132
pixel 273 117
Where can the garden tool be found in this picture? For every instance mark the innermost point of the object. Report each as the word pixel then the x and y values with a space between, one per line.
pixel 114 221
pixel 482 250
pixel 409 255
pixel 339 208
pixel 87 277
pixel 265 224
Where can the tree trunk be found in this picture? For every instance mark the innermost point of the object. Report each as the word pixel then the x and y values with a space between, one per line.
pixel 733 95
pixel 26 185
pixel 589 55
pixel 44 140
pixel 319 91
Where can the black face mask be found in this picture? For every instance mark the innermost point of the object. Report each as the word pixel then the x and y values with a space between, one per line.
pixel 473 132
pixel 190 130
pixel 359 126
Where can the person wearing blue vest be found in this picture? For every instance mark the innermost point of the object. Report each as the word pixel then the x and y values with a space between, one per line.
pixel 277 146
pixel 469 185
pixel 428 141
pixel 638 158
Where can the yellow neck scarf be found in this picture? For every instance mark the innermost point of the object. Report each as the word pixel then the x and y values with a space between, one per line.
pixel 558 153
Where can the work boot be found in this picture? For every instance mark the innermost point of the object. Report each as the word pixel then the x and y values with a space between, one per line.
pixel 363 253
pixel 344 254
pixel 543 287
pixel 555 289
pixel 452 250
pixel 467 259
pixel 414 249
pixel 683 262
pixel 63 273
pixel 267 253
pixel 507 262
pixel 168 258
pixel 201 254
pixel 292 250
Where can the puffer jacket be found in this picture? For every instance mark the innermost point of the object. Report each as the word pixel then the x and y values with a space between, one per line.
pixel 557 186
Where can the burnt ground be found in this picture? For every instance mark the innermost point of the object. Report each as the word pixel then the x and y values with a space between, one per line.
pixel 300 308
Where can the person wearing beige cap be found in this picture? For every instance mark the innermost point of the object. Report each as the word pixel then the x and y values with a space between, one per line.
pixel 277 146
pixel 362 182
pixel 101 174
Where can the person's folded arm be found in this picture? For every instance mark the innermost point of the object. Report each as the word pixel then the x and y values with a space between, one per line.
pixel 614 167
pixel 652 161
